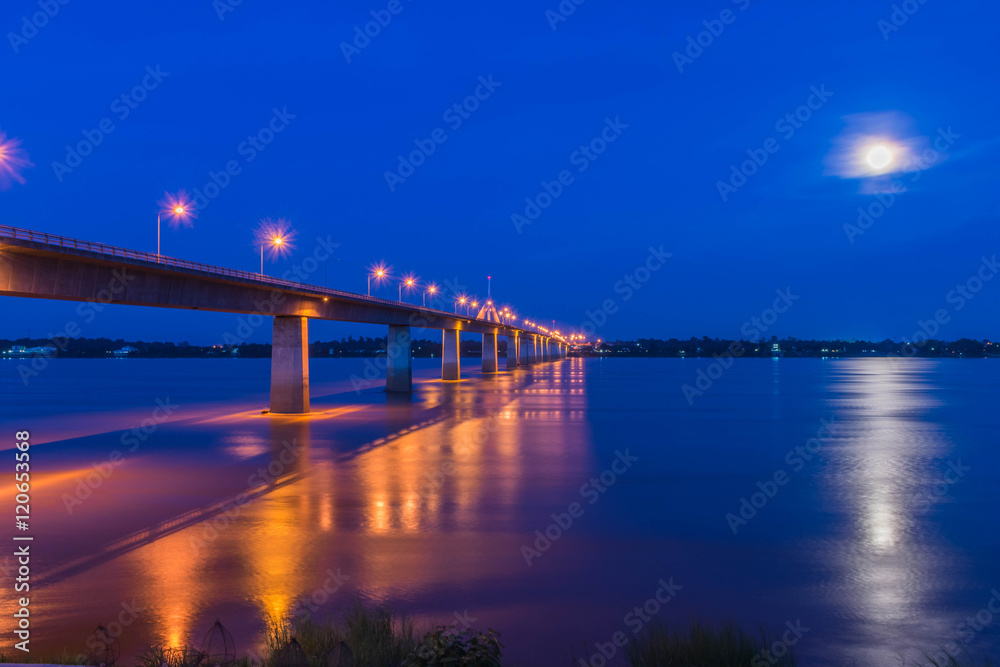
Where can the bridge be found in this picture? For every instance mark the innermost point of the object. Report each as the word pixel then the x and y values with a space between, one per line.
pixel 45 266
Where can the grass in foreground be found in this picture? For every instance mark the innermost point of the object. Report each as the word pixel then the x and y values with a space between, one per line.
pixel 705 646
pixel 375 636
pixel 378 638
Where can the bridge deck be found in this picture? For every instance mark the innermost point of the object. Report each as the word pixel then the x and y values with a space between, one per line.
pixel 48 266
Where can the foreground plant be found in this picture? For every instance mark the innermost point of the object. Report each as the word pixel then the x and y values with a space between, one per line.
pixel 706 646
pixel 448 646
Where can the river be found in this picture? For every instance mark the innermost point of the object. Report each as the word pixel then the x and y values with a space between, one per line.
pixel 855 500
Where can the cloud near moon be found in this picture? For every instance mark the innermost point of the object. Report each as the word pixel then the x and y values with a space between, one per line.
pixel 874 145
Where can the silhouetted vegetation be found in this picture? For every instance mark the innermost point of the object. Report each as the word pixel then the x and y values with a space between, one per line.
pixel 643 347
pixel 792 347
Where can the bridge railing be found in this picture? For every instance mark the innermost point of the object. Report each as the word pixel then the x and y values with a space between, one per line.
pixel 114 251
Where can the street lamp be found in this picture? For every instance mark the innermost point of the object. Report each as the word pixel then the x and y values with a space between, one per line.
pixel 276 242
pixel 408 283
pixel 461 301
pixel 432 290
pixel 178 210
pixel 378 272
pixel 276 236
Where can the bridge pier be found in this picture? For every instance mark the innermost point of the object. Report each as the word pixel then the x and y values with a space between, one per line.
pixel 490 353
pixel 524 351
pixel 290 365
pixel 399 360
pixel 450 364
pixel 512 345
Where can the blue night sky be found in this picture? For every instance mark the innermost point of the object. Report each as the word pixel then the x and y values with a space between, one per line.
pixel 554 90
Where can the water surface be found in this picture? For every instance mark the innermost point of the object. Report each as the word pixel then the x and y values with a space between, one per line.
pixel 431 504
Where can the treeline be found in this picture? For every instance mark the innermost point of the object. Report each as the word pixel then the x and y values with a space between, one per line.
pixel 643 347
pixel 794 347
pixel 106 347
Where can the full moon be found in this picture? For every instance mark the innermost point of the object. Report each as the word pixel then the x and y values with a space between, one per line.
pixel 879 157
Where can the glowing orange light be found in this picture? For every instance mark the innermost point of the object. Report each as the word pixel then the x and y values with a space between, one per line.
pixel 13 159
pixel 274 236
pixel 178 209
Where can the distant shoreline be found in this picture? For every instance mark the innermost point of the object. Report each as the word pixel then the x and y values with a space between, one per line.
pixel 367 348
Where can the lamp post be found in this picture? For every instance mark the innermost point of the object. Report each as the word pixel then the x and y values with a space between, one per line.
pixel 176 207
pixel 408 284
pixel 275 236
pixel 276 241
pixel 432 289
pixel 379 274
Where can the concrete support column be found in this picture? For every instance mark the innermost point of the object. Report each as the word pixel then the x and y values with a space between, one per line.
pixel 450 365
pixel 490 353
pixel 512 344
pixel 399 360
pixel 290 365
pixel 524 351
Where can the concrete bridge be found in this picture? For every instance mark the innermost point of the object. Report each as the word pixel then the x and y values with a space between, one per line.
pixel 45 266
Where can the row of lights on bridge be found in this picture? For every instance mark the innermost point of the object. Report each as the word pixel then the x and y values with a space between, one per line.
pixel 276 238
